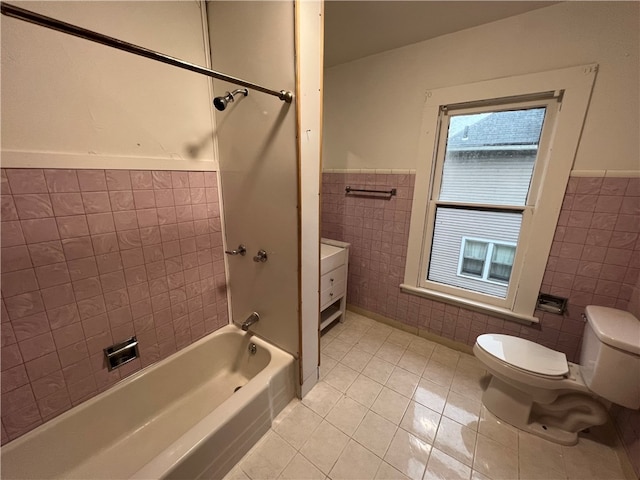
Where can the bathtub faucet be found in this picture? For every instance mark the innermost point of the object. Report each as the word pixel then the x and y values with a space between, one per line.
pixel 253 318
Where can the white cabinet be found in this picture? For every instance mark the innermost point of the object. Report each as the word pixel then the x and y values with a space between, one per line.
pixel 334 261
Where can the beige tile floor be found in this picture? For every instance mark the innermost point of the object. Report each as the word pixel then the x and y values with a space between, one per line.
pixel 392 405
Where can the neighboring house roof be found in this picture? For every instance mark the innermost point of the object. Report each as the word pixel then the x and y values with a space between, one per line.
pixel 509 129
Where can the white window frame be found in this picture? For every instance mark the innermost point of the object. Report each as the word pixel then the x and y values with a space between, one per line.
pixel 487 259
pixel 553 166
pixel 548 100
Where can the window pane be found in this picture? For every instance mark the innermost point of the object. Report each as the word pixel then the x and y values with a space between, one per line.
pixel 501 262
pixel 489 157
pixel 500 273
pixel 451 225
pixel 474 249
pixel 474 256
pixel 473 267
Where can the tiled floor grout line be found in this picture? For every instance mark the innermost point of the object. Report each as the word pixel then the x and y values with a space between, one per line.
pixel 458 368
pixel 395 365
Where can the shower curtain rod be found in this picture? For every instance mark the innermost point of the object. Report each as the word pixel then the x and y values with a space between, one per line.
pixel 54 24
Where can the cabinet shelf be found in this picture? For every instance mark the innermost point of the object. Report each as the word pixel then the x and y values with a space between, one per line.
pixel 329 314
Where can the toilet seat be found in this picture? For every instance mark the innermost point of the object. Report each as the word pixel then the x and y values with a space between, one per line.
pixel 525 355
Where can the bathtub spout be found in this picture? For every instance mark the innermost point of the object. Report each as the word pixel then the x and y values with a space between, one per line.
pixel 253 318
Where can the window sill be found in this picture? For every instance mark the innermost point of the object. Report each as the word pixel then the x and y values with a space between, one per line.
pixel 492 310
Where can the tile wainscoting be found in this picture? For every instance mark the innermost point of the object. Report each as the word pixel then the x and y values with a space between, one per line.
pixel 594 259
pixel 90 258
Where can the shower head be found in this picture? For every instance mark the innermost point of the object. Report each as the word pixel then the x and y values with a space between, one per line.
pixel 221 102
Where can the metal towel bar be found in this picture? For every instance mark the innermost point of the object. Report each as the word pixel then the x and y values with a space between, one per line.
pixel 391 192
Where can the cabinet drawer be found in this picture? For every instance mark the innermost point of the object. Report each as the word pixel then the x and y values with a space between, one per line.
pixel 332 277
pixel 331 294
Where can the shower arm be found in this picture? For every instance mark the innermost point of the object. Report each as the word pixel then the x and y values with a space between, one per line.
pixel 60 26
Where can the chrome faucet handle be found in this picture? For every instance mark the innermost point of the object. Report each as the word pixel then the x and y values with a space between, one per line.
pixel 260 257
pixel 242 250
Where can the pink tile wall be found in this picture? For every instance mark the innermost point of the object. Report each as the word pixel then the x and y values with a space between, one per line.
pixel 595 255
pixel 595 259
pixel 90 258
pixel 377 229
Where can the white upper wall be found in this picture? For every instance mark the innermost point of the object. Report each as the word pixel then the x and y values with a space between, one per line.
pixel 68 102
pixel 373 106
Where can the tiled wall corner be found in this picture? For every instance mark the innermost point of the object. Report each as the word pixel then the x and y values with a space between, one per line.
pixel 90 258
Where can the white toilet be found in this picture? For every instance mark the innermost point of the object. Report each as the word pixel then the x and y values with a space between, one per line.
pixel 536 389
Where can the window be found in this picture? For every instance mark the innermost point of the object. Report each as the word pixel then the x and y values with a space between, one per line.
pixel 485 163
pixel 489 187
pixel 486 260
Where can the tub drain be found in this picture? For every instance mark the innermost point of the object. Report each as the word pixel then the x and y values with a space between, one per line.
pixel 237 388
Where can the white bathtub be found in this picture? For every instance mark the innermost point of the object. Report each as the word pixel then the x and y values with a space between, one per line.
pixel 179 418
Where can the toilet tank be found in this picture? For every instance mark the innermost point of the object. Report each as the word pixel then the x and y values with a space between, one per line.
pixel 610 356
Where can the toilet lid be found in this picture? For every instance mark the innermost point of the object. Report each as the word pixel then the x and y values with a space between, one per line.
pixel 524 354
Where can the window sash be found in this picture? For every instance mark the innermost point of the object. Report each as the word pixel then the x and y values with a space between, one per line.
pixel 470 173
pixel 551 104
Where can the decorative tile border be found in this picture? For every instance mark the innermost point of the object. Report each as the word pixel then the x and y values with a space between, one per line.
pixel 606 173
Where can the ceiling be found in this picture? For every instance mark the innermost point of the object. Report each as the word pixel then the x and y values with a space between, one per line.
pixel 356 29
